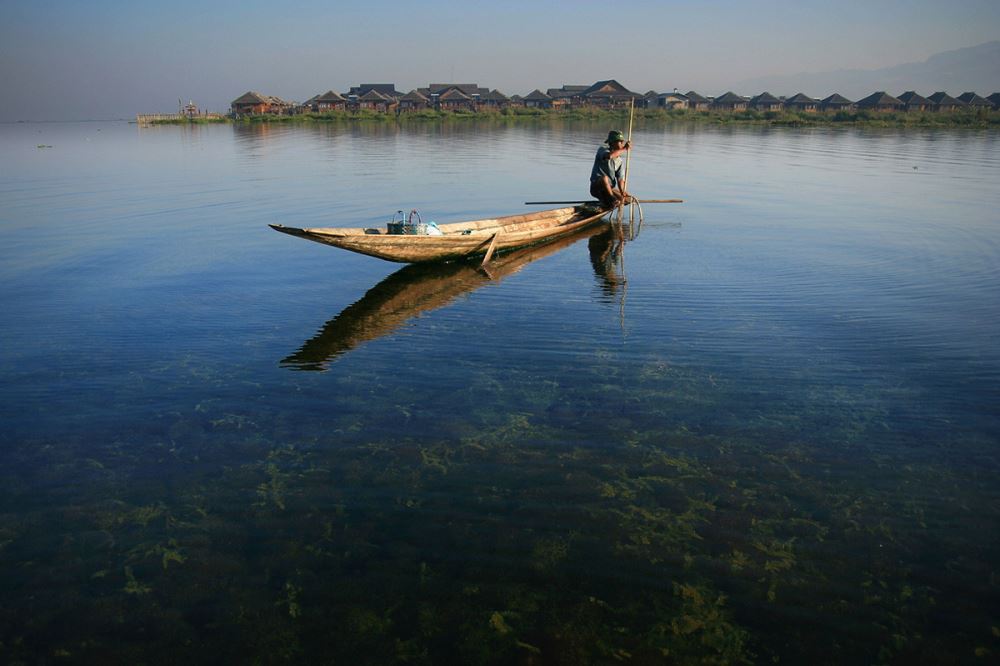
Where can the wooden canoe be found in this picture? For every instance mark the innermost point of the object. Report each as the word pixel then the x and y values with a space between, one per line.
pixel 417 289
pixel 458 239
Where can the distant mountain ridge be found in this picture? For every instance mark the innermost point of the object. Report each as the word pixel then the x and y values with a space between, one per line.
pixel 973 68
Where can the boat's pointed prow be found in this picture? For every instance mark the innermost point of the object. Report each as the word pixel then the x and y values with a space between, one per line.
pixel 291 231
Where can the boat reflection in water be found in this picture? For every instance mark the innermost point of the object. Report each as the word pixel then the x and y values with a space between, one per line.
pixel 419 288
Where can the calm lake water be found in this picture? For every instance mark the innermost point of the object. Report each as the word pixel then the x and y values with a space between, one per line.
pixel 765 431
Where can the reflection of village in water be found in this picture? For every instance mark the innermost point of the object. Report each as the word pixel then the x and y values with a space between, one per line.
pixel 419 288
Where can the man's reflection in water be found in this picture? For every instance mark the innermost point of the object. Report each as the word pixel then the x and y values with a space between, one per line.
pixel 606 259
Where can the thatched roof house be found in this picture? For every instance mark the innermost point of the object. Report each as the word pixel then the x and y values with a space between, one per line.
pixel 387 89
pixel 697 102
pixel 608 94
pixel 472 90
pixel 494 99
pixel 945 102
pixel 836 102
pixel 572 94
pixel 649 100
pixel 766 102
pixel 536 99
pixel 801 102
pixel 672 100
pixel 254 103
pixel 328 101
pixel 974 101
pixel 914 102
pixel 454 99
pixel 880 101
pixel 731 102
pixel 373 100
pixel 413 101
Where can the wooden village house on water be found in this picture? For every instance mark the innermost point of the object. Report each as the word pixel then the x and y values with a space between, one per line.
pixel 254 104
pixel 836 102
pixel 536 99
pixel 568 94
pixel 328 101
pixel 945 102
pixel 414 101
pixel 455 100
pixel 974 101
pixel 494 99
pixel 672 100
pixel 730 101
pixel 698 102
pixel 914 102
pixel 802 102
pixel 607 94
pixel 766 102
pixel 373 100
pixel 881 101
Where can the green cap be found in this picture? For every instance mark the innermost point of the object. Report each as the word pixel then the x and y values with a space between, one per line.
pixel 614 135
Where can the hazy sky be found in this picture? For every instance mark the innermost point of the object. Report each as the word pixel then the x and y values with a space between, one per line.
pixel 76 59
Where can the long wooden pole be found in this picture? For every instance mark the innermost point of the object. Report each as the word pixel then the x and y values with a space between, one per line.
pixel 628 153
pixel 593 201
pixel 628 156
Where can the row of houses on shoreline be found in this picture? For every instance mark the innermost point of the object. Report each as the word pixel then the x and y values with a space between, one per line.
pixel 609 94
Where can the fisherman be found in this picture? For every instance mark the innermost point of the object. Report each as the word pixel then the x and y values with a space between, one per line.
pixel 607 181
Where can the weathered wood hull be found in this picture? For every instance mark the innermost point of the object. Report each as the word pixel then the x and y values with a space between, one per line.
pixel 459 239
pixel 415 290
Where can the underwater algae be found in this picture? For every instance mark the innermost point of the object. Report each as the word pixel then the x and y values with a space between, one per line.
pixel 551 524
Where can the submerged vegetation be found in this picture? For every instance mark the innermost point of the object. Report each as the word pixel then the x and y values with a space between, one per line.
pixel 493 539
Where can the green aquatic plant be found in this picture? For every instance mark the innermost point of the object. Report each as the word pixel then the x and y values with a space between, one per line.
pixel 171 553
pixel 272 491
pixel 498 623
pixel 133 586
pixel 548 553
pixel 436 457
pixel 290 600
pixel 144 515
pixel 658 539
pixel 503 439
pixel 657 534
pixel 702 627
pixel 116 515
pixel 234 421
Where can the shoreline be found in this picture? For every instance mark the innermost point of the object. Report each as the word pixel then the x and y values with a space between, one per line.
pixel 955 119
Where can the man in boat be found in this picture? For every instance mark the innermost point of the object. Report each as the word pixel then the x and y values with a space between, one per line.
pixel 607 180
